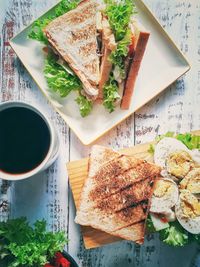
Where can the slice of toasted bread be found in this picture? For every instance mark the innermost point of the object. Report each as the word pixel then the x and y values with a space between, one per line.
pixel 121 208
pixel 140 43
pixel 73 36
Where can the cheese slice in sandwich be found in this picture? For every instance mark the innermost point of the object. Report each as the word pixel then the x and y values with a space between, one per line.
pixel 116 195
pixel 73 37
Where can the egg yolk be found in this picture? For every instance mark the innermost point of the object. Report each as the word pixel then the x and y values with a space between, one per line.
pixel 190 205
pixel 162 188
pixel 179 163
pixel 192 181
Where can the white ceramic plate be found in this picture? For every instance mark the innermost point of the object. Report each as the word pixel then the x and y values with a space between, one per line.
pixel 162 64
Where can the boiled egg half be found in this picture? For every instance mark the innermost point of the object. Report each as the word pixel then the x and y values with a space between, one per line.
pixel 165 196
pixel 187 211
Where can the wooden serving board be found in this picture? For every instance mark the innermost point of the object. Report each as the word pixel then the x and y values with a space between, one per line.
pixel 78 171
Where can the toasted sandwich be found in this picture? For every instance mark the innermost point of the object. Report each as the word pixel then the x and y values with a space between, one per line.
pixel 104 58
pixel 116 195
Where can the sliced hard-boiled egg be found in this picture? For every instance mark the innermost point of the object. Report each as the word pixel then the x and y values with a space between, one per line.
pixel 164 197
pixel 179 163
pixel 187 212
pixel 191 181
pixel 165 147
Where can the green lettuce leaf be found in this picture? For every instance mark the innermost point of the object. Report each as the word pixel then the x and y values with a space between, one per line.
pixel 175 235
pixel 191 141
pixel 119 13
pixel 117 57
pixel 110 94
pixel 64 6
pixel 85 105
pixel 58 78
pixel 36 32
pixel 25 246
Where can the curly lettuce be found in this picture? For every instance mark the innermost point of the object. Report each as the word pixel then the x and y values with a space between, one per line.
pixel 58 79
pixel 110 94
pixel 117 57
pixel 85 105
pixel 64 82
pixel 119 14
pixel 28 246
pixel 175 235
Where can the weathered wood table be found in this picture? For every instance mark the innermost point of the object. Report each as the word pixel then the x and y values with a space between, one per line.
pixel 48 195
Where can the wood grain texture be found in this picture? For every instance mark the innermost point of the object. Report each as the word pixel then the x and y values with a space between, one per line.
pixel 47 195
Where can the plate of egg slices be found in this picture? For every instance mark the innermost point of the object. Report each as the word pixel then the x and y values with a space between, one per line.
pixel 176 198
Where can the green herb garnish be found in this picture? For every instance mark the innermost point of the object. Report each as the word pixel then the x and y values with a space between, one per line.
pixel 25 246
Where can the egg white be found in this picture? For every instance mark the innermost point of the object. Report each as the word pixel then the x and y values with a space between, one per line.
pixel 164 204
pixel 165 147
pixel 192 225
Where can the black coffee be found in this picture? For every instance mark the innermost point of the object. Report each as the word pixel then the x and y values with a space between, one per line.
pixel 24 140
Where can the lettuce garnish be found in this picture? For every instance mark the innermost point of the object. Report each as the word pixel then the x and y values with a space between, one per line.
pixel 58 78
pixel 119 14
pixel 23 245
pixel 118 56
pixel 110 94
pixel 85 105
pixel 175 235
pixel 61 81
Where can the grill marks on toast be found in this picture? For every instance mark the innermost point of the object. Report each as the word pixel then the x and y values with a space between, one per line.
pixel 127 197
pixel 85 32
pixel 114 168
pixel 110 181
pixel 116 196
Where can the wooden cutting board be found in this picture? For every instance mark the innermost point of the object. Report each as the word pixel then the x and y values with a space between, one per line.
pixel 78 171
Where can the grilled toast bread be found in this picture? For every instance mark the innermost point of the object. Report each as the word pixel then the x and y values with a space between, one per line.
pixel 116 195
pixel 73 36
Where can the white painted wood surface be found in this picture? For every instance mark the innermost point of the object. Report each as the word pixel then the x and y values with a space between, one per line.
pixel 48 195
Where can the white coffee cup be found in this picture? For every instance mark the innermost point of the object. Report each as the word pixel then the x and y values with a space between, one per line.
pixel 53 147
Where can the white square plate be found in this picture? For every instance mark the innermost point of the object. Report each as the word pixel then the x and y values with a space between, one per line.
pixel 162 64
